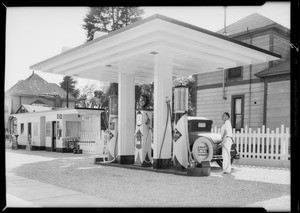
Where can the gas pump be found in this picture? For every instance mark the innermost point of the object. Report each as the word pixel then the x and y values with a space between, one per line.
pixel 181 148
pixel 143 135
pixel 112 148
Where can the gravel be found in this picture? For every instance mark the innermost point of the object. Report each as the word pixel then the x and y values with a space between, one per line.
pixel 145 188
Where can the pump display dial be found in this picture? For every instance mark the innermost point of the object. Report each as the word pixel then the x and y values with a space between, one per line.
pixel 181 99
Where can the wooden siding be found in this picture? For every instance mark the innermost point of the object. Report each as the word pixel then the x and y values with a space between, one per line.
pixel 278 104
pixel 210 78
pixel 210 103
pixel 261 41
pixel 281 46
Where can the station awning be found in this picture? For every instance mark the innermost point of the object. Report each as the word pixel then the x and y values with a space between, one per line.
pixel 193 50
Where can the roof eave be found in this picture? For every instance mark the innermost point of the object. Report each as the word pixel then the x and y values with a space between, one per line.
pixel 38 66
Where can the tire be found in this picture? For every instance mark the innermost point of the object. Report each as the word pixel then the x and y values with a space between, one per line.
pixel 198 145
pixel 220 162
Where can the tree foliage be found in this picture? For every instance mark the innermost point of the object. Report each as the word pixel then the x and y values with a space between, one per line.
pixel 108 19
pixel 69 84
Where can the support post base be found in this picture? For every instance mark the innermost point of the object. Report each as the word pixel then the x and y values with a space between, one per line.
pixel 125 159
pixel 162 163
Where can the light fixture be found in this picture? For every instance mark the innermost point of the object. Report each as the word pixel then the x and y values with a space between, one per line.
pixel 153 53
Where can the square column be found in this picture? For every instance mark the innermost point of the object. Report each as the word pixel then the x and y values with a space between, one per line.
pixel 162 92
pixel 126 115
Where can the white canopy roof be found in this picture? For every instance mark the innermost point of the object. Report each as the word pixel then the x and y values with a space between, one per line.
pixel 193 50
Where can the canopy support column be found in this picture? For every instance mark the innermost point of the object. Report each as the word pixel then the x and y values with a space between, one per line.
pixel 126 111
pixel 162 94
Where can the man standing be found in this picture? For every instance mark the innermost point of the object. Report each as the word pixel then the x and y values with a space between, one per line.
pixel 226 133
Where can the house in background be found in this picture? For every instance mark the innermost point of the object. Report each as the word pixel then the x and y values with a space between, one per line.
pixel 35 91
pixel 253 95
pixel 46 128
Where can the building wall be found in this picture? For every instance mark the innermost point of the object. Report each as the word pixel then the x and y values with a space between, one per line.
pixel 36 130
pixel 12 103
pixel 281 45
pixel 42 131
pixel 210 103
pixel 278 104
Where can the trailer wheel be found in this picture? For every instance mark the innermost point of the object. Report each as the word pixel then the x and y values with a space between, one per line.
pixel 220 162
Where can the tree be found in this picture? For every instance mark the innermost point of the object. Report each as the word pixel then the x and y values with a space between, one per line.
pixel 108 19
pixel 111 90
pixel 147 90
pixel 97 100
pixel 68 84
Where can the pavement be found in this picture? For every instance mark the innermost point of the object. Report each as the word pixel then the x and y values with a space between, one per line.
pixel 31 193
pixel 27 192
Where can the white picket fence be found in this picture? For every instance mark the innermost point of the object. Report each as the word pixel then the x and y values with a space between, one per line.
pixel 90 142
pixel 262 146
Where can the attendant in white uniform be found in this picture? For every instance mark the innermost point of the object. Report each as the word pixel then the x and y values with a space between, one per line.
pixel 226 133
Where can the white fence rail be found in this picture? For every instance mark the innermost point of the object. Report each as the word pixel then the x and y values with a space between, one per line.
pixel 262 146
pixel 91 142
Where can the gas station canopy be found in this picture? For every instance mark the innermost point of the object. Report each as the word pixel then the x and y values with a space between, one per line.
pixel 193 50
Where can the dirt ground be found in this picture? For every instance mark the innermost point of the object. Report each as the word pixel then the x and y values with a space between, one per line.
pixel 246 186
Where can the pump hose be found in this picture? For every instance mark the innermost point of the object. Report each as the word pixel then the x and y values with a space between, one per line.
pixel 163 140
pixel 144 144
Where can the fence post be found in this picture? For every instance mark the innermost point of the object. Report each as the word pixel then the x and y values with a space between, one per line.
pixel 287 141
pixel 282 153
pixel 267 143
pixel 259 144
pixel 277 136
pixel 250 138
pixel 255 152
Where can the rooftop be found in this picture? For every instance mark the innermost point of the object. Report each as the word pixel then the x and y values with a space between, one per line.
pixel 276 69
pixel 34 85
pixel 33 108
pixel 252 22
pixel 193 50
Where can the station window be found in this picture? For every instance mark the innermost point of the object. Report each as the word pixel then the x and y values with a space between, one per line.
pixel 235 74
pixel 72 128
pixel 237 111
pixel 22 128
pixel 48 129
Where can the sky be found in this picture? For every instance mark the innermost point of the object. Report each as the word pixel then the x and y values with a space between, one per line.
pixel 34 34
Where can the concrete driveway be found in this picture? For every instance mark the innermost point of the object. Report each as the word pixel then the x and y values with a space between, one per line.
pixel 95 185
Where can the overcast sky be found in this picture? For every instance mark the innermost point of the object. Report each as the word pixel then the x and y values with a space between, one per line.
pixel 37 33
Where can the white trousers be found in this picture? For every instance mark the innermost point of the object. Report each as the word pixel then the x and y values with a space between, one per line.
pixel 226 155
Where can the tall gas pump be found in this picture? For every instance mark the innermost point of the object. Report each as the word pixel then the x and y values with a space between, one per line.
pixel 143 134
pixel 112 147
pixel 180 135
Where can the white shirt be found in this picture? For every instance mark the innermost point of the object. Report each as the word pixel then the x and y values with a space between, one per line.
pixel 226 126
